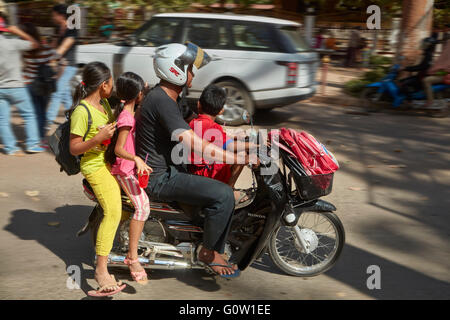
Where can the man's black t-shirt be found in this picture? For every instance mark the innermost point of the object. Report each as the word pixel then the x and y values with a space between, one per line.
pixel 158 118
pixel 69 55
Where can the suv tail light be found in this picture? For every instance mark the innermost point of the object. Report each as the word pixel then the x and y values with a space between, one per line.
pixel 292 72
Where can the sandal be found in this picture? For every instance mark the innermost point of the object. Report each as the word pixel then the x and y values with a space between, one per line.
pixel 100 292
pixel 235 274
pixel 209 266
pixel 138 276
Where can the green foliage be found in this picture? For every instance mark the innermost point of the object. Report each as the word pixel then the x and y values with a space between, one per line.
pixel 355 86
pixel 100 9
pixel 441 14
pixel 376 61
pixel 374 75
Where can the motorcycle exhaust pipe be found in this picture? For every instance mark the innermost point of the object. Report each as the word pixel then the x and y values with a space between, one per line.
pixel 160 262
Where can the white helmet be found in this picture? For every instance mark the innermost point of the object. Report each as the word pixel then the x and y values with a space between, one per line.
pixel 172 60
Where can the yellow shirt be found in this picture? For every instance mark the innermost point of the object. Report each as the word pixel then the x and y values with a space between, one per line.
pixel 93 159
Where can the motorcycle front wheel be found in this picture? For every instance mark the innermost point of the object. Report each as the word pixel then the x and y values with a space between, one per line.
pixel 442 99
pixel 372 99
pixel 325 236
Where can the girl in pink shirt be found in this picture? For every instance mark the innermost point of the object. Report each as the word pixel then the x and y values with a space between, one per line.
pixel 125 164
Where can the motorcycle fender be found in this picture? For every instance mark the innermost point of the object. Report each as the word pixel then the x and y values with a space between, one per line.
pixel 317 206
pixel 440 87
pixel 277 195
pixel 374 85
pixel 272 223
pixel 320 206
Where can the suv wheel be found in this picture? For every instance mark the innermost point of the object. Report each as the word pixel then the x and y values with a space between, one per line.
pixel 238 100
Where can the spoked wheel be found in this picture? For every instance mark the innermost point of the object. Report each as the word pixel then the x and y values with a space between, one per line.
pixel 372 99
pixel 324 237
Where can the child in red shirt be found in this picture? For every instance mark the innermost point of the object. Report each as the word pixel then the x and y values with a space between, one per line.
pixel 210 105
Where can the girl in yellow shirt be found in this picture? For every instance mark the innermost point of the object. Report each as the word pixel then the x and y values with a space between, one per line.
pixel 93 92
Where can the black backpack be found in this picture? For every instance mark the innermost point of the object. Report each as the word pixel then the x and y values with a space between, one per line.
pixel 59 143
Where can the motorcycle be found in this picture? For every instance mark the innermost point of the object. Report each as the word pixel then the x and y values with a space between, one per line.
pixel 387 90
pixel 301 232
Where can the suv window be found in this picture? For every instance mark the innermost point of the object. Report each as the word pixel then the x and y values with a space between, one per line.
pixel 292 37
pixel 256 37
pixel 207 34
pixel 158 32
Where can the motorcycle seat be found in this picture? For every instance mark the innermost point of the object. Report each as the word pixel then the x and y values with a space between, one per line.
pixel 184 211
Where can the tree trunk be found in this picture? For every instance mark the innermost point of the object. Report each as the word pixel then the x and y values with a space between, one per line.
pixel 417 18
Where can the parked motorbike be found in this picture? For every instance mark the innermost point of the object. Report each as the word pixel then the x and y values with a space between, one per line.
pixel 285 218
pixel 388 90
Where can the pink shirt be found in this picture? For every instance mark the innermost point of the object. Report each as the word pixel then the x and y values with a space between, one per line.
pixel 125 167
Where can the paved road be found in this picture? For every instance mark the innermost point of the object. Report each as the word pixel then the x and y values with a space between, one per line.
pixel 392 193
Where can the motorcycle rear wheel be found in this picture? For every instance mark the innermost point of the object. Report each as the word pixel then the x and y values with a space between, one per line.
pixel 278 242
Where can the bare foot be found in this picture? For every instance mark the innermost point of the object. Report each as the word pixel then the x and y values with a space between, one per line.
pixel 106 281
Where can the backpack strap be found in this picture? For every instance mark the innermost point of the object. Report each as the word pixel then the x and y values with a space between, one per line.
pixel 89 120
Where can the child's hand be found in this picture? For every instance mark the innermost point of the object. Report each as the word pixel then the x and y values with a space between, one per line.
pixel 141 166
pixel 106 132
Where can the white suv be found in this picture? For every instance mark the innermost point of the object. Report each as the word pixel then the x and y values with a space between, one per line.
pixel 262 62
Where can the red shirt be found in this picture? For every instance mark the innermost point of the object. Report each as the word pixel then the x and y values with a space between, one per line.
pixel 212 132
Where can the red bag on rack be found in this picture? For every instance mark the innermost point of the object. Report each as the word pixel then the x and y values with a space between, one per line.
pixel 313 155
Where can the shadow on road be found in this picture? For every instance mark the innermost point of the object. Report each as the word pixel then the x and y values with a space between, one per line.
pixel 402 163
pixel 63 242
pixel 397 281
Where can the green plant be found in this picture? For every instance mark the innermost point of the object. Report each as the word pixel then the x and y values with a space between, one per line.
pixel 355 86
pixel 376 61
pixel 374 75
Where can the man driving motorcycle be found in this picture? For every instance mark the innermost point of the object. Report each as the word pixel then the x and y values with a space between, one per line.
pixel 413 83
pixel 159 123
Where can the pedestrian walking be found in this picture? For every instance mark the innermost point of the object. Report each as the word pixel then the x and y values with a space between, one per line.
pixel 39 76
pixel 14 92
pixel 65 45
pixel 352 49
